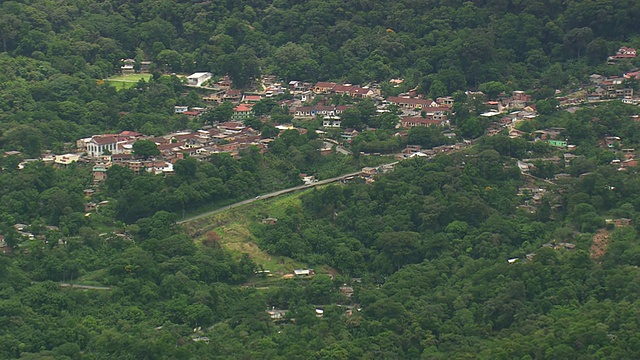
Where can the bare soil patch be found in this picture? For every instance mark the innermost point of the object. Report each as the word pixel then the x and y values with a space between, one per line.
pixel 600 242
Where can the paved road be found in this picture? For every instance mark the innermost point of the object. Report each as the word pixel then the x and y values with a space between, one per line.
pixel 339 148
pixel 84 287
pixel 269 195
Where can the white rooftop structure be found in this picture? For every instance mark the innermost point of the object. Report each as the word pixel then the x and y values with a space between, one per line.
pixel 197 79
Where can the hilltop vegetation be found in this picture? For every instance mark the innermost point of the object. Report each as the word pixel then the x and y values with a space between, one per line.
pixel 54 52
pixel 430 242
pixel 456 257
pixel 312 40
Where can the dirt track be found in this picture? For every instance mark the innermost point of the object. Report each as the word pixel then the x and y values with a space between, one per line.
pixel 600 242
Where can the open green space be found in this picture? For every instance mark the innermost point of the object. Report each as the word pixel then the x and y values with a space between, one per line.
pixel 231 229
pixel 121 82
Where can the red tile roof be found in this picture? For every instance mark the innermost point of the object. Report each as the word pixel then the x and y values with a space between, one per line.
pixel 325 85
pixel 233 125
pixel 242 108
pixel 105 139
pixel 252 98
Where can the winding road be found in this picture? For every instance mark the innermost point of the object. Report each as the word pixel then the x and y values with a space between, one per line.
pixel 270 195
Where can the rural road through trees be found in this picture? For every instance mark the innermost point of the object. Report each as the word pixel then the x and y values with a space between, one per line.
pixel 270 195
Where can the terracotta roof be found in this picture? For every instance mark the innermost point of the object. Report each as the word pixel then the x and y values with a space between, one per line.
pixel 359 91
pixel 242 108
pixel 419 120
pixel 325 85
pixel 163 147
pixel 339 88
pixel 231 125
pixel 159 140
pixel 105 139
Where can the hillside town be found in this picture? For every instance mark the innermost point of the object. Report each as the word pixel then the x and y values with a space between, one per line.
pixel 315 103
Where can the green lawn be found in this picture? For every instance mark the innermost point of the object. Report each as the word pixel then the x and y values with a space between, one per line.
pixel 126 81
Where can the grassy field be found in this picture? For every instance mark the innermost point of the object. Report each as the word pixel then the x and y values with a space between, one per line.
pixel 233 226
pixel 126 81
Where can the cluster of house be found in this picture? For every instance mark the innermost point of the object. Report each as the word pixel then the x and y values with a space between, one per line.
pixel 416 111
pixel 628 154
pixel 418 151
pixel 280 315
pixel 129 66
pixel 109 149
pixel 606 88
pixel 517 100
pixel 532 196
pixel 60 161
pixel 612 87
pixel 25 232
pixel 555 246
pixel 624 53
pixel 509 121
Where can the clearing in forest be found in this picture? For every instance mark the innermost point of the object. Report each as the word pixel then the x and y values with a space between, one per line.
pixel 600 242
pixel 121 82
pixel 230 229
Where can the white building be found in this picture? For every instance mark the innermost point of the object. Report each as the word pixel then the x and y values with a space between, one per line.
pixel 197 79
pixel 98 144
pixel 331 122
pixel 66 159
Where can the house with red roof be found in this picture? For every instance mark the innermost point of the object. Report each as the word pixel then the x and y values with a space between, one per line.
pixel 99 144
pixel 234 126
pixel 632 75
pixel 242 111
pixel 251 98
pixel 232 95
pixel 323 87
pixel 624 53
pixel 130 134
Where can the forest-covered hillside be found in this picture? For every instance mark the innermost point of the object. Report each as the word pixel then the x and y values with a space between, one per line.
pixel 507 249
pixel 56 52
pixel 459 43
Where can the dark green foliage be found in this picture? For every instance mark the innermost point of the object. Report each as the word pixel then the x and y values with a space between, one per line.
pixel 430 240
pixel 145 149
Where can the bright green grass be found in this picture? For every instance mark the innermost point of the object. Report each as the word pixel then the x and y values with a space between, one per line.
pixel 121 82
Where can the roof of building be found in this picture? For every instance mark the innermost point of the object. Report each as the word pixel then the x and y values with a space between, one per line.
pixel 242 108
pixel 105 139
pixel 325 85
pixel 199 74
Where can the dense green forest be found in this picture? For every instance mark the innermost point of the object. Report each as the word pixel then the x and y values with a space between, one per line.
pixel 430 242
pixel 447 257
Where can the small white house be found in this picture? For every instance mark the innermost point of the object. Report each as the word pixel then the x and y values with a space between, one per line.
pixel 331 122
pixel 197 79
